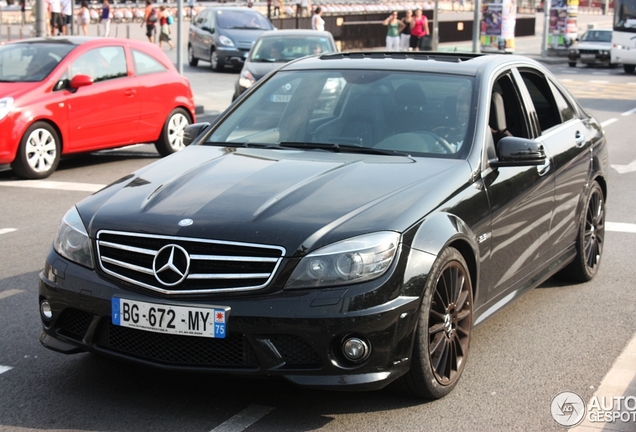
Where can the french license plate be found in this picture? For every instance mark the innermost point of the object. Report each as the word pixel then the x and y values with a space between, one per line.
pixel 588 56
pixel 178 320
pixel 281 98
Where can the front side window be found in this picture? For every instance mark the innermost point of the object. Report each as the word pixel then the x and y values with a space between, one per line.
pixel 543 100
pixel 412 113
pixel 101 64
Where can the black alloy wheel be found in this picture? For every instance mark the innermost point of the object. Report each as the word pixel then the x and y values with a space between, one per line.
pixel 590 239
pixel 445 325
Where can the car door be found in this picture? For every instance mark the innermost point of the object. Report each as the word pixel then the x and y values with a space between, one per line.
pixel 106 113
pixel 568 140
pixel 521 201
pixel 201 34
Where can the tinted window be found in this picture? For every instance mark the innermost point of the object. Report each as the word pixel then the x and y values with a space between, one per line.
pixel 543 100
pixel 565 107
pixel 145 64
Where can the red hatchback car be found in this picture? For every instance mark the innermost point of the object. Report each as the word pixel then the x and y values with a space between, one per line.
pixel 67 95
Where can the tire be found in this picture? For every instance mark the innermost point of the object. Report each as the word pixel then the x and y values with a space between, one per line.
pixel 572 64
pixel 217 64
pixel 171 139
pixel 589 240
pixel 442 337
pixel 629 68
pixel 192 60
pixel 39 152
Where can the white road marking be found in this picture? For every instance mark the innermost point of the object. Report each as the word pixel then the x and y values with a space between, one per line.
pixel 48 184
pixel 599 82
pixel 625 169
pixel 7 230
pixel 609 122
pixel 631 111
pixel 9 293
pixel 4 369
pixel 566 80
pixel 620 227
pixel 614 384
pixel 244 419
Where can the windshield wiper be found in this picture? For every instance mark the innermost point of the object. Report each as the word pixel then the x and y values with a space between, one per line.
pixel 346 148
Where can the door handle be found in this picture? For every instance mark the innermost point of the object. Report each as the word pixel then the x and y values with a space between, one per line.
pixel 579 139
pixel 130 92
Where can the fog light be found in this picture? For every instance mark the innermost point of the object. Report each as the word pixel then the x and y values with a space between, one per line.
pixel 45 310
pixel 355 349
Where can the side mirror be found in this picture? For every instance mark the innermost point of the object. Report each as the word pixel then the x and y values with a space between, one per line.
pixel 208 29
pixel 515 151
pixel 81 81
pixel 192 132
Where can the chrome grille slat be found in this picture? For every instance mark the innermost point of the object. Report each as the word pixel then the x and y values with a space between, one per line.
pixel 214 266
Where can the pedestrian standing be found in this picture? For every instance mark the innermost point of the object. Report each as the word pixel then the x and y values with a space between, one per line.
pixel 164 32
pixel 277 6
pixel 317 23
pixel 405 34
pixel 150 20
pixel 105 17
pixel 67 15
pixel 305 7
pixel 394 27
pixel 56 16
pixel 419 30
pixel 23 10
pixel 84 17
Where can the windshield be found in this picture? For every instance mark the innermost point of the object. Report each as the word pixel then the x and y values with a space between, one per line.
pixel 597 36
pixel 279 49
pixel 30 62
pixel 354 110
pixel 625 15
pixel 242 19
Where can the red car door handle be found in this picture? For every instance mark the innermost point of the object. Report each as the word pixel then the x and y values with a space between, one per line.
pixel 130 92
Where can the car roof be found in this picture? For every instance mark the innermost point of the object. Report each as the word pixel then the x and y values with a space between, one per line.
pixel 417 61
pixel 80 40
pixel 296 32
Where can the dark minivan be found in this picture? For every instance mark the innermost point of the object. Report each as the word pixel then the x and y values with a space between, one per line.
pixel 224 35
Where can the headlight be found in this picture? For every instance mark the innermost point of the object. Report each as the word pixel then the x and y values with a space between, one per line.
pixel 246 79
pixel 6 105
pixel 573 51
pixel 226 41
pixel 604 53
pixel 72 240
pixel 354 260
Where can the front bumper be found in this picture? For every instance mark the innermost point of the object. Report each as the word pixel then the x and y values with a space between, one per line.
pixel 297 335
pixel 596 57
pixel 234 56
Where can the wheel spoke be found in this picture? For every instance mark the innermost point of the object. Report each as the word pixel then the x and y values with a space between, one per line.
pixel 439 363
pixel 436 343
pixel 436 328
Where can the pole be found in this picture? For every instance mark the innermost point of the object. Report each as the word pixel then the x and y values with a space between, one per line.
pixel 40 18
pixel 179 44
pixel 546 28
pixel 476 25
pixel 435 26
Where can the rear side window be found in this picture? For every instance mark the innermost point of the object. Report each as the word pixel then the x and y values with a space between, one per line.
pixel 145 64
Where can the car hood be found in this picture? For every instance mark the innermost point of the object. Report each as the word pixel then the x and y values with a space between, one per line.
pixel 299 200
pixel 16 90
pixel 593 45
pixel 260 69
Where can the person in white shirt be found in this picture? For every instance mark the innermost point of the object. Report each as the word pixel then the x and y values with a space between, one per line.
pixel 317 23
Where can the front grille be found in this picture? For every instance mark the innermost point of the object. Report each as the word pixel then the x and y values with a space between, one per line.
pixel 588 51
pixel 187 266
pixel 295 352
pixel 188 351
pixel 74 323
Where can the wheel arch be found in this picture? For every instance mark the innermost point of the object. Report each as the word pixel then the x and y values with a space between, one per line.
pixel 51 123
pixel 445 230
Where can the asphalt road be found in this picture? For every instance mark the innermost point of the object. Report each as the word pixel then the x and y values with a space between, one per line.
pixel 557 338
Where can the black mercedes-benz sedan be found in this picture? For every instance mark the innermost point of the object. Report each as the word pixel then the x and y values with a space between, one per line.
pixel 345 224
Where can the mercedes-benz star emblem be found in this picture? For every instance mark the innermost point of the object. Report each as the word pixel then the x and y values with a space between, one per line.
pixel 171 265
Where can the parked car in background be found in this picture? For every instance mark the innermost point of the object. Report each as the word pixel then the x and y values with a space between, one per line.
pixel 344 224
pixel 224 35
pixel 593 48
pixel 276 47
pixel 67 95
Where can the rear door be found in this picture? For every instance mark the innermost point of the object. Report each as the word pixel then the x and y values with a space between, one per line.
pixel 566 137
